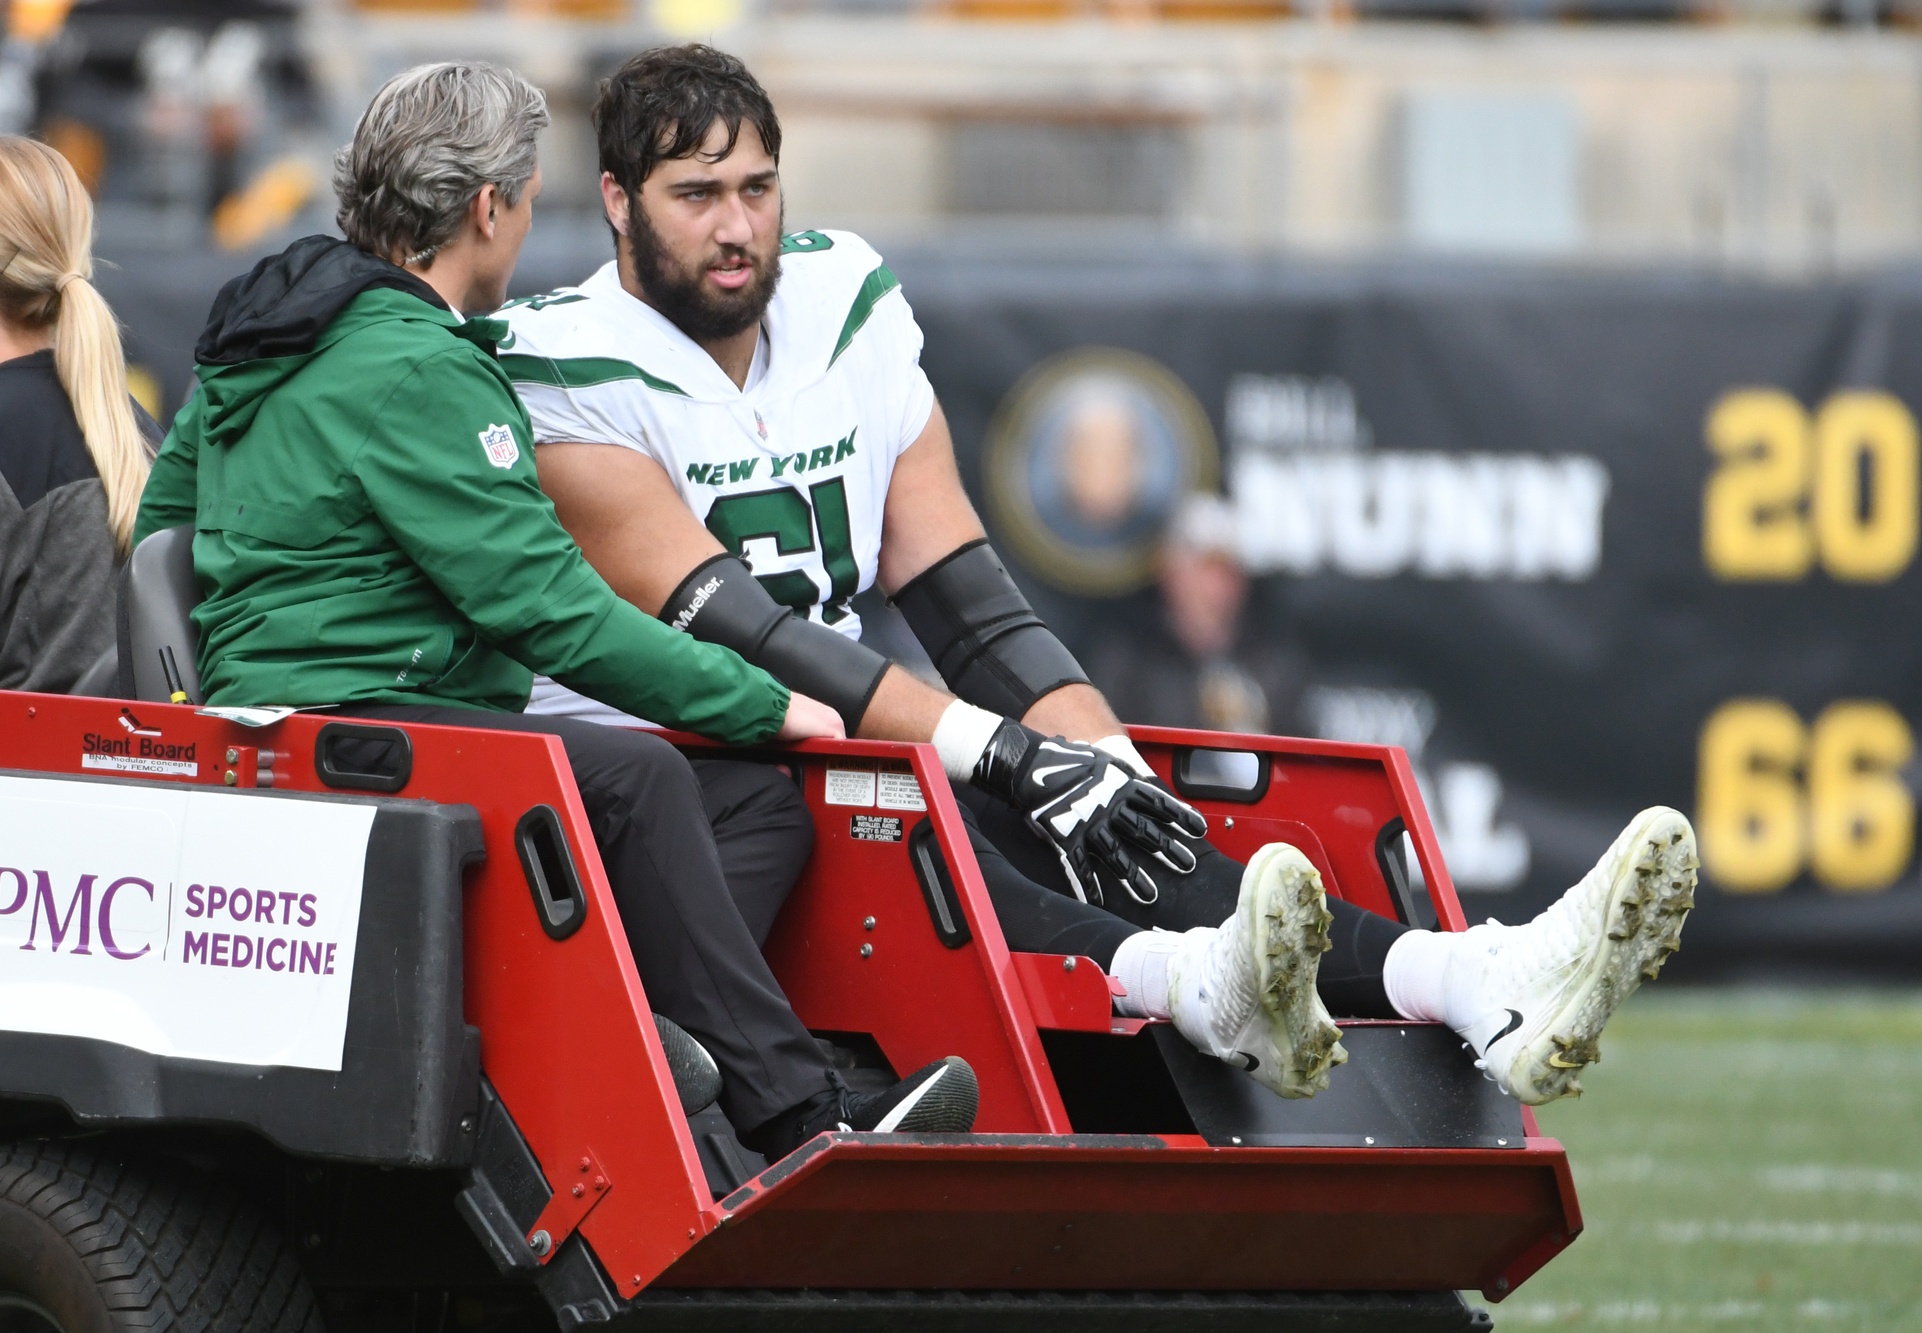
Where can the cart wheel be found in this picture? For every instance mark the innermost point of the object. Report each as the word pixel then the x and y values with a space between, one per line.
pixel 92 1244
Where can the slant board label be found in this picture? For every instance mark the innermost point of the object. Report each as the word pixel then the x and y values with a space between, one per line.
pixel 196 924
pixel 874 828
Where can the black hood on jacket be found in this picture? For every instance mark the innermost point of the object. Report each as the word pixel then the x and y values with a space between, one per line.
pixel 282 306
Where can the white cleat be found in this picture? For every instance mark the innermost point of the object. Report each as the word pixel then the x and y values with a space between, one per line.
pixel 1544 991
pixel 1245 992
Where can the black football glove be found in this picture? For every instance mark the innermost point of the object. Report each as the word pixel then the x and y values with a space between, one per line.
pixel 1102 821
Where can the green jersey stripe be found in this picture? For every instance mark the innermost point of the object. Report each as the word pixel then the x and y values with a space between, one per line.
pixel 878 284
pixel 580 372
pixel 544 300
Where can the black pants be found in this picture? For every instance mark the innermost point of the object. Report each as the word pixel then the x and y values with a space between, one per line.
pixel 1040 914
pixel 695 908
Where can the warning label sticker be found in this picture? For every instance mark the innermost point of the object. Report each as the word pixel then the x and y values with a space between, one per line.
pixel 899 791
pixel 850 786
pixel 874 828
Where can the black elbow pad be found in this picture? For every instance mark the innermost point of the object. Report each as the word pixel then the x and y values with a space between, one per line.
pixel 986 641
pixel 721 602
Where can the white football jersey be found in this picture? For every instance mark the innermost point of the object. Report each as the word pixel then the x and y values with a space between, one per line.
pixel 790 473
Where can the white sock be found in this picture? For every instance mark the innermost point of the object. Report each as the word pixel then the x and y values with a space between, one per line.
pixel 1415 973
pixel 1141 966
pixel 961 735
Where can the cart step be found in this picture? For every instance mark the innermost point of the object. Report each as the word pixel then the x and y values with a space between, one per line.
pixel 1053 1312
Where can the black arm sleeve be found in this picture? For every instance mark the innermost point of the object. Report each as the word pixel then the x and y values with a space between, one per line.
pixel 721 602
pixel 986 641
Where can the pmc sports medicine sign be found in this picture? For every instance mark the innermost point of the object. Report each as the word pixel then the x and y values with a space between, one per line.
pixel 196 924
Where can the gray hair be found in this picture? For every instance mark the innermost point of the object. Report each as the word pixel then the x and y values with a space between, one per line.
pixel 427 143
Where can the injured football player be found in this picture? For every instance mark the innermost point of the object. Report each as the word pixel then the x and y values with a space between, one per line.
pixel 734 424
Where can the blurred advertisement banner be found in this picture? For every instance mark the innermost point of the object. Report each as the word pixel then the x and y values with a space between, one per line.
pixel 1581 545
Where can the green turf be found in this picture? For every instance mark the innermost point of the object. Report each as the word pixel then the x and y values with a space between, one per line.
pixel 1745 1160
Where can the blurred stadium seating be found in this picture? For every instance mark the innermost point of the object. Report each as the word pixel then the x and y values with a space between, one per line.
pixel 1779 136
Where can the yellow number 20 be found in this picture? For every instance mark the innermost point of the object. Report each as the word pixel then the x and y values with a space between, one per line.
pixel 1865 486
pixel 1753 526
pixel 1777 797
pixel 1786 490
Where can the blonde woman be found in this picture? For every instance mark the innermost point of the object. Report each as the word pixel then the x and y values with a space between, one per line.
pixel 75 448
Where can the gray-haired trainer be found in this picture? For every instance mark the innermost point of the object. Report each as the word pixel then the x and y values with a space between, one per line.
pixel 1542 992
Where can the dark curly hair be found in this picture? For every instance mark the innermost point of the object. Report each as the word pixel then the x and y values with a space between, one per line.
pixel 662 103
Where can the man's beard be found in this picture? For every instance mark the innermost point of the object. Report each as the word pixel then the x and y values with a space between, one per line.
pixel 681 296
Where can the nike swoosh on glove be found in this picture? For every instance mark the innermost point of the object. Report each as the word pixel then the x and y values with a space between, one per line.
pixel 1102 821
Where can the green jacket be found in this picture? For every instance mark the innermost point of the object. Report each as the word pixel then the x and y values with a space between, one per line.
pixel 370 527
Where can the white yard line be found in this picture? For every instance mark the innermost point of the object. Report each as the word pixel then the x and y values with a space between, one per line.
pixel 1804 1178
pixel 1540 1313
pixel 1728 1231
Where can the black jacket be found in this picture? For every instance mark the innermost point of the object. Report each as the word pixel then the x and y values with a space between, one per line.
pixel 56 550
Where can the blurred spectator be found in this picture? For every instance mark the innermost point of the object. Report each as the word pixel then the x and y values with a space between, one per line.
pixel 203 110
pixel 75 451
pixel 1193 666
pixel 29 24
pixel 177 113
pixel 231 92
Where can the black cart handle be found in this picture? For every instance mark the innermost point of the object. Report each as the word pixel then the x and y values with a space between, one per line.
pixel 328 765
pixel 559 899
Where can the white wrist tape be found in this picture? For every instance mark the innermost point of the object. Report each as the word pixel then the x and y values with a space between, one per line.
pixel 1120 747
pixel 961 735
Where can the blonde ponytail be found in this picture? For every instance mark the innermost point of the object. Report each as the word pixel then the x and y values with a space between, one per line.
pixel 46 222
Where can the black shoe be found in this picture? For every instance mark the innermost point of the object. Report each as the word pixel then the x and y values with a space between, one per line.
pixel 696 1077
pixel 940 1098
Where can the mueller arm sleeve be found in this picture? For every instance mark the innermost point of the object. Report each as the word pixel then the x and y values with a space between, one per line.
pixel 721 602
pixel 986 641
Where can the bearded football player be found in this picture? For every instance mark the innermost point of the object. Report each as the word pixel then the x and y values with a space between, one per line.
pixel 734 424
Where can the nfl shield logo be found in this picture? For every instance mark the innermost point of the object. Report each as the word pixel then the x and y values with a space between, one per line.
pixel 500 446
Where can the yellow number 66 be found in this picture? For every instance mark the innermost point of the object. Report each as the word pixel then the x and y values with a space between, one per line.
pixel 1776 796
